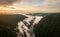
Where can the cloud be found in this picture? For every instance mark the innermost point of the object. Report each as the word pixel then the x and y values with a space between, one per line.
pixel 34 5
pixel 48 5
pixel 52 3
pixel 7 2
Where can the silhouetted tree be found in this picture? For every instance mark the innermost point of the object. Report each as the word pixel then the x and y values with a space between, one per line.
pixel 8 24
pixel 49 26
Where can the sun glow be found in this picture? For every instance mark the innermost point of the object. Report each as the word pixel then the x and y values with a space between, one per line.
pixel 11 10
pixel 5 9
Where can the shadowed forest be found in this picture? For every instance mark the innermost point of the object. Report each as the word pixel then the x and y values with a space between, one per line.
pixel 48 26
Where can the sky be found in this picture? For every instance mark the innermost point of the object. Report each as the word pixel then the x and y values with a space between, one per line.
pixel 32 5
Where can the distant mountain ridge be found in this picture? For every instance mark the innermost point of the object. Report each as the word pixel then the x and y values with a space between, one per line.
pixel 38 14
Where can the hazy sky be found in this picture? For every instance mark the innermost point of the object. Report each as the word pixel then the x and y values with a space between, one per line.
pixel 34 5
